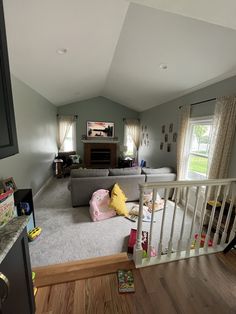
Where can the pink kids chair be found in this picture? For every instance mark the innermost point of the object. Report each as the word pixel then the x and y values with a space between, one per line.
pixel 99 206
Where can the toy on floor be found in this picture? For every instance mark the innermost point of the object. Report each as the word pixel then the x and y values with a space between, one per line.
pixel 147 201
pixel 33 280
pixel 99 206
pixel 132 240
pixel 134 213
pixel 34 233
pixel 203 237
pixel 125 281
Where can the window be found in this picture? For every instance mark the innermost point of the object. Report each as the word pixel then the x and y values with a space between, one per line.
pixel 68 144
pixel 67 133
pixel 129 143
pixel 197 148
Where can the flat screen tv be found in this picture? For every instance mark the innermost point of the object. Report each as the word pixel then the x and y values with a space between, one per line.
pixel 100 129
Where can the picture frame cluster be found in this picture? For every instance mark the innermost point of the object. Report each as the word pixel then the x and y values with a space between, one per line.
pixel 7 184
pixel 144 140
pixel 169 137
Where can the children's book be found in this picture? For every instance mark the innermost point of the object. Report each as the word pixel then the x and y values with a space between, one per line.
pixel 125 281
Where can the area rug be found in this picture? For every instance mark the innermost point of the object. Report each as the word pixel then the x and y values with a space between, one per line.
pixel 68 234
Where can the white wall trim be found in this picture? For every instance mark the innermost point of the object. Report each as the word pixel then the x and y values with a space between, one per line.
pixel 35 196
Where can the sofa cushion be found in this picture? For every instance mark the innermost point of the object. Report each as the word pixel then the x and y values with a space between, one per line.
pixel 118 200
pixel 75 158
pixel 81 173
pixel 125 171
pixel 157 171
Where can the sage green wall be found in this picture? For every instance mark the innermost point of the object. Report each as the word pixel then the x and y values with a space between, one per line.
pixel 36 131
pixel 97 109
pixel 168 113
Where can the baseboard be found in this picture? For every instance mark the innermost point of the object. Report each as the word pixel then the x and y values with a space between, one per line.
pixel 71 271
pixel 36 195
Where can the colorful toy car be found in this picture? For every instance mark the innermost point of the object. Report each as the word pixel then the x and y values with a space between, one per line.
pixel 34 233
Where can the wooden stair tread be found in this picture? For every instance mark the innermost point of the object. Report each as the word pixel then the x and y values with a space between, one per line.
pixel 59 273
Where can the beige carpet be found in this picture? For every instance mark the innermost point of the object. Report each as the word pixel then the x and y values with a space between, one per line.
pixel 69 234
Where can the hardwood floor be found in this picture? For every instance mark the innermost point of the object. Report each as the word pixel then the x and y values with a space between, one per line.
pixel 205 284
pixel 71 271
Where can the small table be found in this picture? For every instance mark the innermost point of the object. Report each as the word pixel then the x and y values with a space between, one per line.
pixel 58 168
pixel 125 163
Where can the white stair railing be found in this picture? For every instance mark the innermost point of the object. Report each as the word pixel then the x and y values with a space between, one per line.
pixel 187 243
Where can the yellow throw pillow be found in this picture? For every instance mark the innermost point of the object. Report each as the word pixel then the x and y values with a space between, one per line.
pixel 118 199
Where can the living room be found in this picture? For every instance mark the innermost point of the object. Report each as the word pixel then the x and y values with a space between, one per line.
pixel 125 71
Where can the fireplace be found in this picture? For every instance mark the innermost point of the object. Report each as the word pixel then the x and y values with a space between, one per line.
pixel 100 155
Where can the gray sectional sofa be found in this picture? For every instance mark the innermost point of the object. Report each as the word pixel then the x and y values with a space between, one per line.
pixel 84 182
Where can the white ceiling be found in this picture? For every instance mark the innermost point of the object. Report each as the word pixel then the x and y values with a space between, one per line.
pixel 212 11
pixel 115 48
pixel 89 29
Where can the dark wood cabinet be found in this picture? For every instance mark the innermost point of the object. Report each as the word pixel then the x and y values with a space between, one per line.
pixel 8 138
pixel 16 267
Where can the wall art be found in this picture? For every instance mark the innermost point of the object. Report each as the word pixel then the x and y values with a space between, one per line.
pixel 175 137
pixel 168 147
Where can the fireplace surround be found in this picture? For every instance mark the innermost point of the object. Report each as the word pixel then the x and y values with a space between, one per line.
pixel 100 154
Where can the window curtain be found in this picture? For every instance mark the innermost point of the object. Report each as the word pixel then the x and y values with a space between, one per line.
pixel 64 125
pixel 181 152
pixel 224 125
pixel 133 128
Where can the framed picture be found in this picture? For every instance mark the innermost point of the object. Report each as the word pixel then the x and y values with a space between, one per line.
pixel 163 129
pixel 166 137
pixel 100 129
pixel 168 147
pixel 171 128
pixel 9 184
pixel 174 137
pixel 161 146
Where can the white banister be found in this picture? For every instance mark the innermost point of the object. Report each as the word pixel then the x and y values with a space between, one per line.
pixel 187 242
pixel 180 242
pixel 154 195
pixel 191 234
pixel 217 193
pixel 216 235
pixel 203 212
pixel 159 250
pixel 224 235
pixel 138 245
pixel 170 244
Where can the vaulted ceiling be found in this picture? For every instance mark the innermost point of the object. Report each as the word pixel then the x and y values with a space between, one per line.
pixel 116 48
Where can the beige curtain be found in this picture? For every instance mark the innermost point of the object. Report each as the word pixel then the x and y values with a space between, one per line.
pixel 224 125
pixel 64 125
pixel 181 153
pixel 133 128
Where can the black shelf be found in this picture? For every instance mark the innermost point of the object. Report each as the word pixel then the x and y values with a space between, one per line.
pixel 24 195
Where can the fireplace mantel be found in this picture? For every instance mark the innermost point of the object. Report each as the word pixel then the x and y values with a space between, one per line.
pixel 101 141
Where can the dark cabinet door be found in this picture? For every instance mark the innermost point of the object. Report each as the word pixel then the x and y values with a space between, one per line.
pixel 16 267
pixel 8 138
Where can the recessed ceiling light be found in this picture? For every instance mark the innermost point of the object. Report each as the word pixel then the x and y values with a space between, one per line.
pixel 163 66
pixel 62 51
